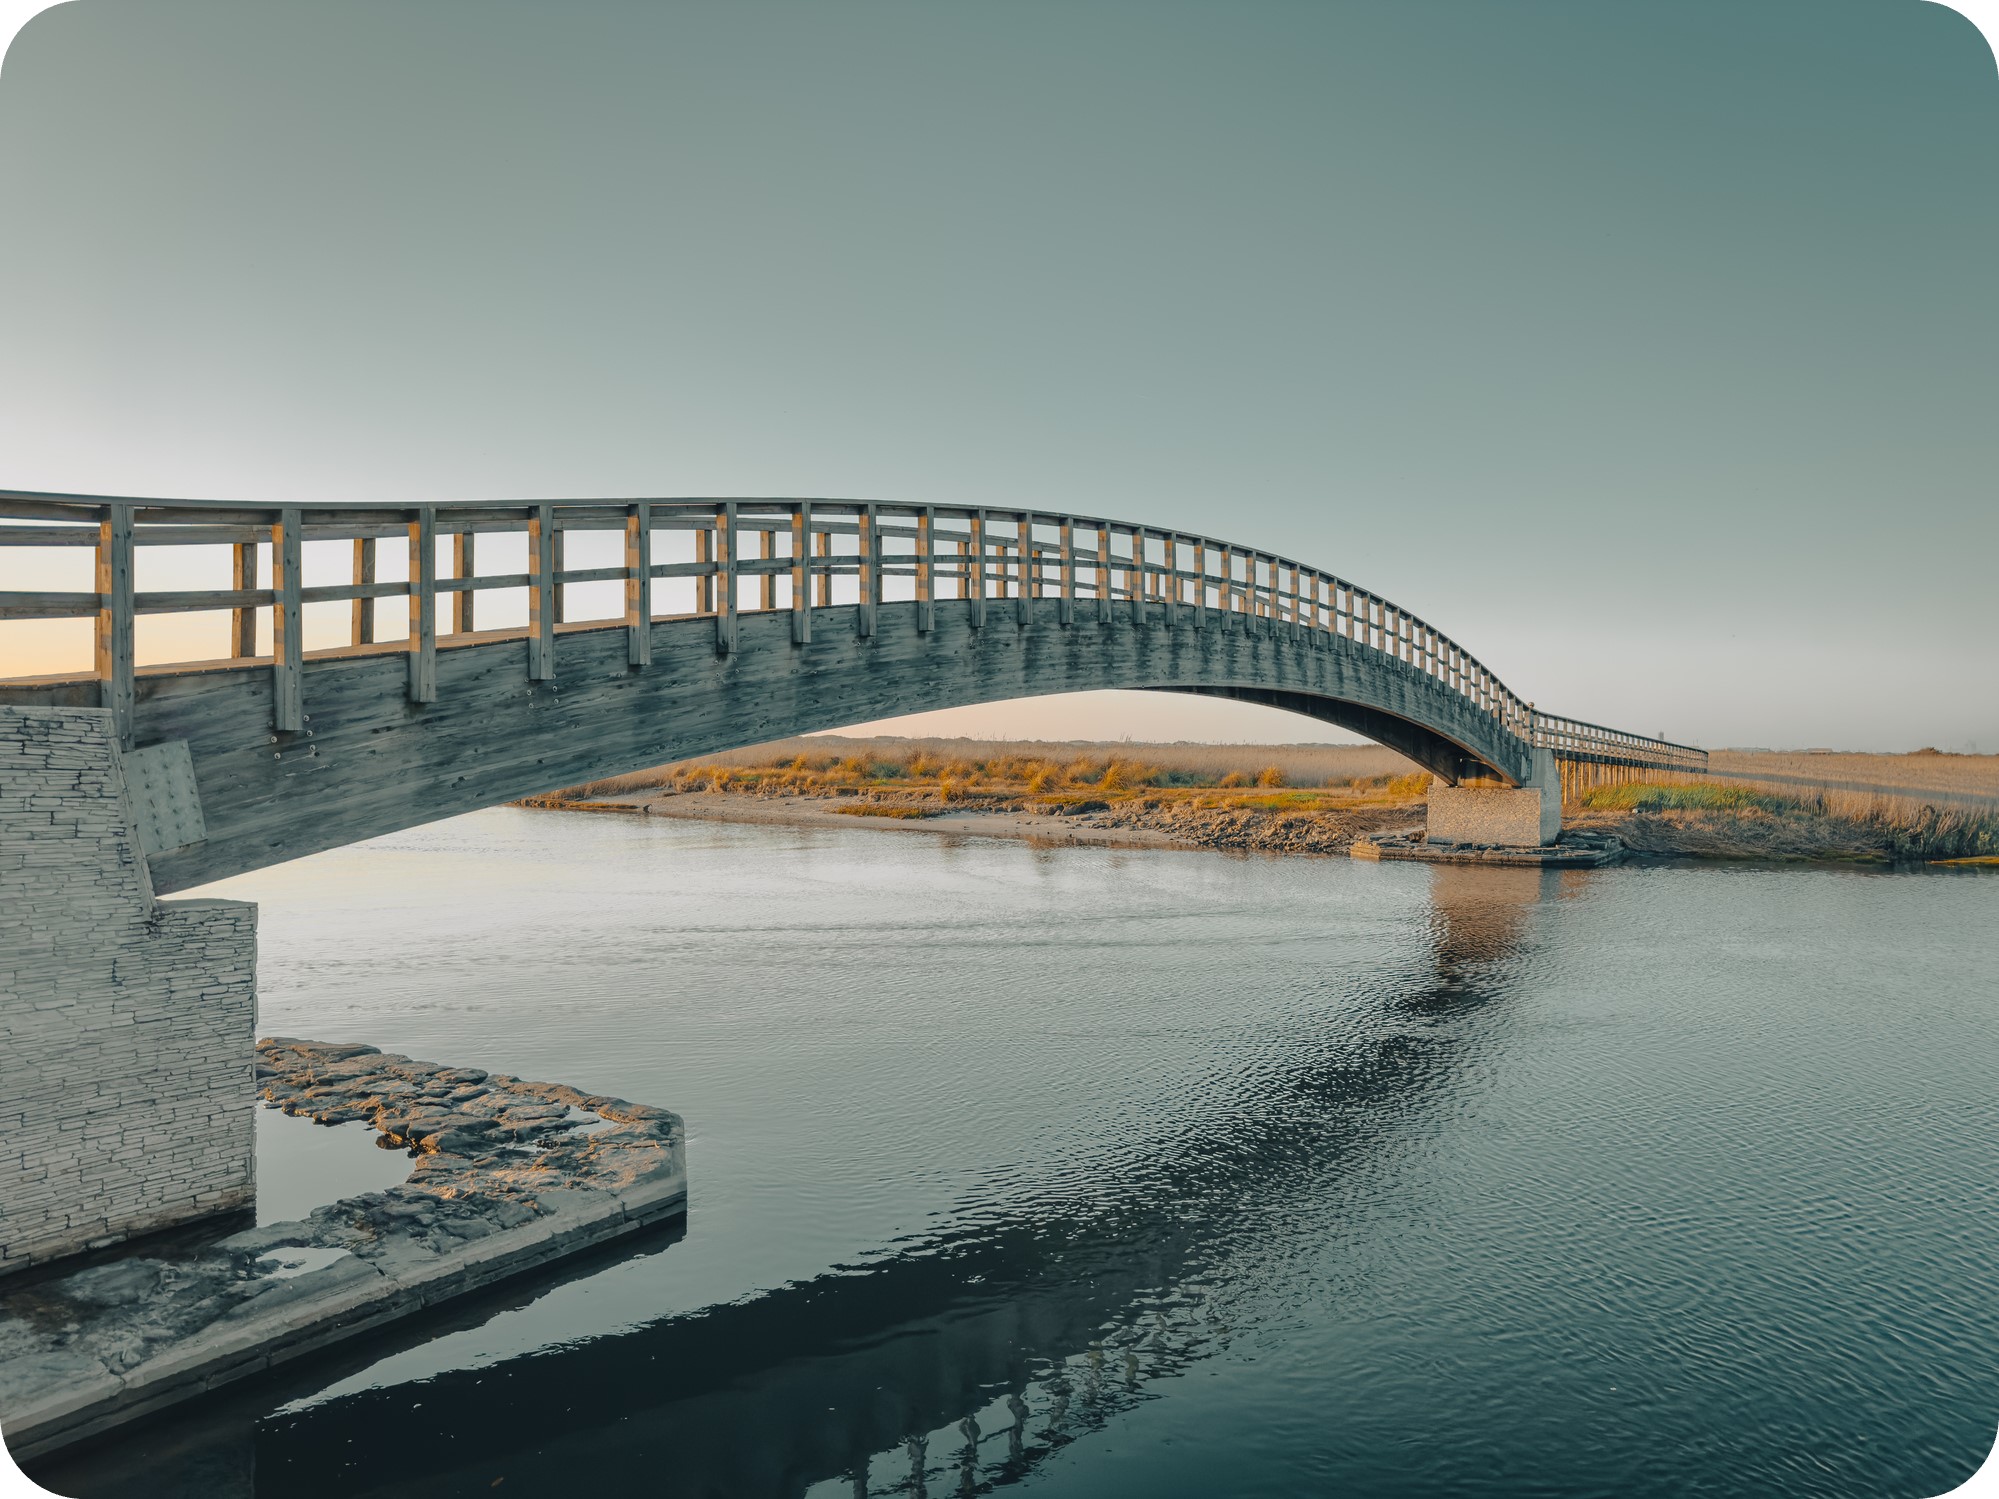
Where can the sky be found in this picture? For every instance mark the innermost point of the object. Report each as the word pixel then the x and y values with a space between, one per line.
pixel 1647 349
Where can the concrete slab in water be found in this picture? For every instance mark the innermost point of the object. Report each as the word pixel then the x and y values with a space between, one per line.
pixel 510 1175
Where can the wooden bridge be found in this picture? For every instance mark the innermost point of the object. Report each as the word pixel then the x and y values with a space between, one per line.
pixel 727 622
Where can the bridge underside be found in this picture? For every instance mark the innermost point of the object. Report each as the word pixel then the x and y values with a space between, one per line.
pixel 368 762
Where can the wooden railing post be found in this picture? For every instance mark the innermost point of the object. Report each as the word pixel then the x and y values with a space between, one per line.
pixel 926 570
pixel 541 594
pixel 1065 608
pixel 1103 589
pixel 704 581
pixel 975 570
pixel 464 566
pixel 423 606
pixel 638 584
pixel 287 622
pixel 1023 607
pixel 361 612
pixel 115 616
pixel 242 619
pixel 560 546
pixel 801 573
pixel 822 548
pixel 1135 577
pixel 725 601
pixel 869 522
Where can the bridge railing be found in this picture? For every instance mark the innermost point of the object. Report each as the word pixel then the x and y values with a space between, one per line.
pixel 678 559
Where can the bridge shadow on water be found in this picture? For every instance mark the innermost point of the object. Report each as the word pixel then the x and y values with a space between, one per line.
pixel 952 1365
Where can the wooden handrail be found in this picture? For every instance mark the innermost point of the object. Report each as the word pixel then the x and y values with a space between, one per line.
pixel 980 555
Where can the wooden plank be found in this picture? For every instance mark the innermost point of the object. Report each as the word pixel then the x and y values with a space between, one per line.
pixel 1023 608
pixel 1171 584
pixel 926 571
pixel 287 623
pixel 871 572
pixel 1103 575
pixel 801 574
pixel 361 613
pixel 638 585
pixel 767 575
pixel 975 570
pixel 541 595
pixel 465 564
pixel 423 606
pixel 48 536
pixel 31 604
pixel 208 600
pixel 1200 583
pixel 1065 608
pixel 822 549
pixel 725 603
pixel 559 565
pixel 704 573
pixel 115 618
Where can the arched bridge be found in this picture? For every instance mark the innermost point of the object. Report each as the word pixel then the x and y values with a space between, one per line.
pixel 661 629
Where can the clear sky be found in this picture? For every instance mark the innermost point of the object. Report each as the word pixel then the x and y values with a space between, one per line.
pixel 1646 348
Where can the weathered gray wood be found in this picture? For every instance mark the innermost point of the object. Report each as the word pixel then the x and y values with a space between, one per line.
pixel 287 624
pixel 29 604
pixel 361 611
pixel 926 570
pixel 1023 608
pixel 47 536
pixel 559 564
pixel 801 574
pixel 378 767
pixel 243 579
pixel 975 570
pixel 465 564
pixel 1102 575
pixel 822 551
pixel 725 606
pixel 1065 608
pixel 422 650
pixel 541 594
pixel 115 616
pixel 638 585
pixel 871 571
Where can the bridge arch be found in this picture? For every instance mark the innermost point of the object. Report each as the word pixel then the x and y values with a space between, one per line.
pixel 804 615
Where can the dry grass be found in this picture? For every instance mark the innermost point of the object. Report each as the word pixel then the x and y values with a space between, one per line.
pixel 1925 771
pixel 1722 820
pixel 958 767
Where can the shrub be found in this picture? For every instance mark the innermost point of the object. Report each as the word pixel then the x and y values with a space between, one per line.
pixel 1270 775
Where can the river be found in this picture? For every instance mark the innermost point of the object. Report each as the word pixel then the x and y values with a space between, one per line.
pixel 1094 1172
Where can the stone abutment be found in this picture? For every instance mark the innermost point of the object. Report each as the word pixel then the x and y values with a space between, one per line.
pixel 126 1022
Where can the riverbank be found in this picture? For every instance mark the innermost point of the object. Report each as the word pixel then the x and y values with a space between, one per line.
pixel 508 1176
pixel 1287 799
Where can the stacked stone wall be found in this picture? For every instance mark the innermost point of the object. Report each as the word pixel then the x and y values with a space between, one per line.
pixel 126 1023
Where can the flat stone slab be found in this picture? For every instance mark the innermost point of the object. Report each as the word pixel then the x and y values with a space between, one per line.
pixel 509 1175
pixel 1575 851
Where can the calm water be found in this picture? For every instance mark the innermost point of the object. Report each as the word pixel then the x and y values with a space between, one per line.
pixel 1104 1173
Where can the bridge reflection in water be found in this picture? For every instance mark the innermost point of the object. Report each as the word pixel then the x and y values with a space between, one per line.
pixel 952 1366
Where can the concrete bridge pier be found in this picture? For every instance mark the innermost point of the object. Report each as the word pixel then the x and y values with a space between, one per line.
pixel 126 1023
pixel 1525 816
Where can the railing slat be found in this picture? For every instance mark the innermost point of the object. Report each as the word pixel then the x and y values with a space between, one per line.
pixel 114 630
pixel 638 585
pixel 287 623
pixel 423 606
